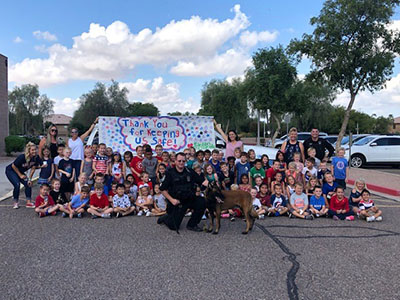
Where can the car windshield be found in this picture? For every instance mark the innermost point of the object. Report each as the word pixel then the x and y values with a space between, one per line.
pixel 345 140
pixel 364 140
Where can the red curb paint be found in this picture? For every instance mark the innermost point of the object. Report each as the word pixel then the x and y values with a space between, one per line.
pixel 377 188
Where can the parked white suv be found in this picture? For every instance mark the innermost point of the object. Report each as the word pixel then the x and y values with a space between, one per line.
pixel 378 149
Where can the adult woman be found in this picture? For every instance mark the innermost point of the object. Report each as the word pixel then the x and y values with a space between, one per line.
pixel 232 141
pixel 50 141
pixel 291 146
pixel 76 144
pixel 15 173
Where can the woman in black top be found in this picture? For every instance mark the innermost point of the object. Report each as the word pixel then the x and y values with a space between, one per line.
pixel 51 141
pixel 291 146
pixel 15 173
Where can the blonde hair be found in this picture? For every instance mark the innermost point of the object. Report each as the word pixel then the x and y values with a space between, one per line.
pixel 310 149
pixel 360 180
pixel 27 150
pixel 234 187
pixel 293 129
pixel 144 187
pixel 48 138
pixel 309 184
pixel 292 164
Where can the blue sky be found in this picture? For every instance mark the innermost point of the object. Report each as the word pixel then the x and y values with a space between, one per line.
pixel 162 51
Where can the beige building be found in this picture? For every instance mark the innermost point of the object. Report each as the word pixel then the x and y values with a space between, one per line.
pixel 395 128
pixel 3 102
pixel 62 123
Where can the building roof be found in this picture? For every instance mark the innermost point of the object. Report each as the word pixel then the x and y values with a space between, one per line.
pixel 397 120
pixel 58 119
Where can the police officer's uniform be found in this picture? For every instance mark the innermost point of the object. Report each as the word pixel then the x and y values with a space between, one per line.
pixel 182 186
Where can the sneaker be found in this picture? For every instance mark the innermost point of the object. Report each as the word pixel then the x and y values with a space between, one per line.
pixel 270 214
pixel 261 217
pixel 379 219
pixel 140 213
pixel 30 205
pixel 94 217
pixel 148 214
pixel 309 217
pixel 317 215
pixel 118 215
pixel 64 215
pixel 53 213
pixel 106 216
pixel 232 219
pixel 204 217
pixel 371 219
pixel 41 214
pixel 350 218
pixel 79 216
pixel 336 218
pixel 194 228
pixel 16 206
pixel 291 216
pixel 188 214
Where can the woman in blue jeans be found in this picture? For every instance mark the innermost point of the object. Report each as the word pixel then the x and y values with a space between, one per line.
pixel 15 173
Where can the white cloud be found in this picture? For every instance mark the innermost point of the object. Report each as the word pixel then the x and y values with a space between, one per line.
pixel 18 40
pixel 384 102
pixel 187 47
pixel 44 35
pixel 66 106
pixel 166 96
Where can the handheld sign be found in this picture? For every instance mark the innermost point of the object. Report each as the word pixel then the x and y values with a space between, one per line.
pixel 173 133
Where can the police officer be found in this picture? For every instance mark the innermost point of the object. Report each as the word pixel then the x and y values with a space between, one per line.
pixel 319 144
pixel 179 189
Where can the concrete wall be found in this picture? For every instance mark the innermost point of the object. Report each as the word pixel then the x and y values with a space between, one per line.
pixel 3 102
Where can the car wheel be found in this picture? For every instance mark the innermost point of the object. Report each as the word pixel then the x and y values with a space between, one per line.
pixel 357 161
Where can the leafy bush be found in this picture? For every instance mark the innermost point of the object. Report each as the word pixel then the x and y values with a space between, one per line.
pixel 14 143
pixel 31 138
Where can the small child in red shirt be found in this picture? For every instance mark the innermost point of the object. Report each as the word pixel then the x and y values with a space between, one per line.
pixel 99 205
pixel 44 204
pixel 339 206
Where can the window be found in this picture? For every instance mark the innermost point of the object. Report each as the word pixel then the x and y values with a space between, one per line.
pixel 382 142
pixel 303 136
pixel 394 141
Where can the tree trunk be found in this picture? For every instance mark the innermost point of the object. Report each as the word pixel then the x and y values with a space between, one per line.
pixel 278 129
pixel 345 122
pixel 227 127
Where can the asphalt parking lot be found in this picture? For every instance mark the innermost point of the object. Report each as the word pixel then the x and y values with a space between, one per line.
pixel 133 257
pixel 382 168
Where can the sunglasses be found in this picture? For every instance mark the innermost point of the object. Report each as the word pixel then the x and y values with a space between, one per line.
pixel 74 131
pixel 182 160
pixel 54 130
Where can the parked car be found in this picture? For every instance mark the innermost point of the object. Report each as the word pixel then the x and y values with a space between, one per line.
pixel 301 137
pixel 374 149
pixel 331 139
pixel 356 137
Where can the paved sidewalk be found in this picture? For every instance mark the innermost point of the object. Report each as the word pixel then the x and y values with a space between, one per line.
pixel 5 185
pixel 378 181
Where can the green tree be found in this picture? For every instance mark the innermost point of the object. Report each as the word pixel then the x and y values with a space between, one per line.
pixel 142 109
pixel 28 109
pixel 352 48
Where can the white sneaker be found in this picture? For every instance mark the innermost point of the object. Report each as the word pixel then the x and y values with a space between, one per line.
pixel 261 217
pixel 189 214
pixel 16 206
pixel 148 214
pixel 140 213
pixel 378 219
pixel 204 217
pixel 371 219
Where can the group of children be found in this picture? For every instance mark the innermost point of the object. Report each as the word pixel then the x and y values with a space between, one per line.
pixel 110 183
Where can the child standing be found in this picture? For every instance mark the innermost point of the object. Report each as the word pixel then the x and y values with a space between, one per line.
pixel 161 173
pixel 265 162
pixel 226 177
pixel 77 205
pixel 150 165
pixel 117 168
pixel 80 183
pixel 278 203
pixel 210 174
pixel 58 158
pixel 299 204
pixel 339 206
pixel 100 161
pixel 159 151
pixel 121 203
pixel 323 169
pixel 282 164
pixel 136 163
pixel 99 205
pixel 214 160
pixel 312 153
pixel 309 171
pixel 340 168
pixel 252 157
pixel 65 167
pixel 242 167
pixel 297 160
pixel 317 203
pixel 87 165
pixel 271 173
pixel 160 205
pixel 257 170
pixel 44 204
pixel 47 168
pixel 144 201
pixel 292 171
pixel 127 161
pixel 368 210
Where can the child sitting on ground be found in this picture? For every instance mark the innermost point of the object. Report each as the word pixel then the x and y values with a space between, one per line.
pixel 244 183
pixel 264 196
pixel 113 192
pixel 291 185
pixel 339 206
pixel 278 202
pixel 121 203
pixel 368 210
pixel 258 182
pixel 278 180
pixel 55 193
pixel 145 179
pixel 310 187
pixel 99 205
pixel 77 205
pixel 44 204
pixel 299 204
pixel 355 195
pixel 309 170
pixel 100 179
pixel 328 189
pixel 160 205
pixel 257 204
pixel 297 160
pixel 144 201
pixel 292 171
pixel 317 203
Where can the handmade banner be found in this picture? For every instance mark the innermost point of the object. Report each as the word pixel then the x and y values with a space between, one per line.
pixel 173 133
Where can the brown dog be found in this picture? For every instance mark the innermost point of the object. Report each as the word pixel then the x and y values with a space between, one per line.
pixel 218 200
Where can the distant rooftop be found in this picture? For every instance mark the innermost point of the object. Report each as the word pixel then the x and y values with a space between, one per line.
pixel 58 119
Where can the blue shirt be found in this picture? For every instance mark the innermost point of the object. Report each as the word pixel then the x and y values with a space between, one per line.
pixel 242 169
pixel 216 166
pixel 317 203
pixel 326 188
pixel 46 172
pixel 339 167
pixel 77 201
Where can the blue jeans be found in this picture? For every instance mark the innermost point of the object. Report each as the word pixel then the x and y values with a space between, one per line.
pixel 16 181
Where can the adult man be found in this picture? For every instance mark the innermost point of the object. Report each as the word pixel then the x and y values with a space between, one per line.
pixel 319 144
pixel 179 189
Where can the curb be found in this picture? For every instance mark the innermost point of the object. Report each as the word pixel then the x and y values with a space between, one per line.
pixel 9 194
pixel 380 190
